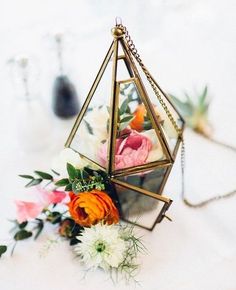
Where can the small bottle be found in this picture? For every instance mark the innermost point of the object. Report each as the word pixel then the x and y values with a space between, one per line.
pixel 65 99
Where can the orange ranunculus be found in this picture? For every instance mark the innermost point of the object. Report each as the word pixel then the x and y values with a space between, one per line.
pixel 139 115
pixel 88 208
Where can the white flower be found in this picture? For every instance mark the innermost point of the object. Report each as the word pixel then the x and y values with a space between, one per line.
pixel 101 246
pixel 156 153
pixel 67 155
pixel 86 141
pixel 97 119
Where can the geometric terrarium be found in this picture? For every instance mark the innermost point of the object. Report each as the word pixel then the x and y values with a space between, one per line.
pixel 129 128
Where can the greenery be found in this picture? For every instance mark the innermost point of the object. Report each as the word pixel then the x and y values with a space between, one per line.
pixel 81 180
pixel 3 249
pixel 195 111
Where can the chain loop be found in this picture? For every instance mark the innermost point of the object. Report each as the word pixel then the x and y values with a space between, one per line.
pixel 209 200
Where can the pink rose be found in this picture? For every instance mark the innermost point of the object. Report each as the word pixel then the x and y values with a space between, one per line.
pixel 26 210
pixel 132 150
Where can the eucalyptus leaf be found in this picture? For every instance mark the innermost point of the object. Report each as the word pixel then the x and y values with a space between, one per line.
pixel 62 182
pixel 89 127
pixel 124 106
pixel 3 250
pixel 44 175
pixel 34 182
pixel 55 172
pixel 22 235
pixel 26 176
pixel 125 122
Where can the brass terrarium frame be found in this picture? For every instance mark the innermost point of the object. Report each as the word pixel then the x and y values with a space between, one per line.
pixel 129 59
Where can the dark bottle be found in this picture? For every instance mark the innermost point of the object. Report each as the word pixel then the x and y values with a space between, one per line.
pixel 65 100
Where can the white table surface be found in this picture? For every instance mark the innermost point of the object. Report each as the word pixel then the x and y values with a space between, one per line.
pixel 186 44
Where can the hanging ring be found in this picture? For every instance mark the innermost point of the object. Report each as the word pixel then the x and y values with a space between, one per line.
pixel 118 21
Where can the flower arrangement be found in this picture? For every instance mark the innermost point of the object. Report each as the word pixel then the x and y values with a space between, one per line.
pixel 85 212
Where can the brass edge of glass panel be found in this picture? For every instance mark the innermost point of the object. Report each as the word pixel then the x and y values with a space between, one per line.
pixel 142 191
pixel 176 147
pixel 126 81
pixel 167 97
pixel 123 57
pixel 137 224
pixel 161 215
pixel 149 105
pixel 141 168
pixel 113 113
pixel 89 96
pixel 167 173
pixel 127 64
pixel 89 160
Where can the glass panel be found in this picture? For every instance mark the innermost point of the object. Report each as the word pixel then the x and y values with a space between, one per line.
pixel 150 180
pixel 92 132
pixel 137 142
pixel 168 129
pixel 138 208
pixel 124 71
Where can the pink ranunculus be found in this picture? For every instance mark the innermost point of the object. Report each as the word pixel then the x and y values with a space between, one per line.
pixel 130 151
pixel 51 197
pixel 26 210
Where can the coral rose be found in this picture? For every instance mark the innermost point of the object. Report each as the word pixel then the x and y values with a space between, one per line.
pixel 139 115
pixel 132 150
pixel 89 208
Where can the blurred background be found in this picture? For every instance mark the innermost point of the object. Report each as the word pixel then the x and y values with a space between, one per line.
pixel 186 45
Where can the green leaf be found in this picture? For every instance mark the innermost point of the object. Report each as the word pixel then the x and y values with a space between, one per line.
pixel 85 174
pixel 72 172
pixel 3 250
pixel 22 235
pixel 44 175
pixel 54 217
pixel 79 174
pixel 126 119
pixel 186 108
pixel 125 122
pixel 55 172
pixel 39 228
pixel 147 125
pixel 23 225
pixel 68 187
pixel 26 176
pixel 89 127
pixel 62 182
pixel 34 182
pixel 202 102
pixel 124 106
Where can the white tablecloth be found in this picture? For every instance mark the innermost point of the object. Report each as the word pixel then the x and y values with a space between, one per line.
pixel 186 44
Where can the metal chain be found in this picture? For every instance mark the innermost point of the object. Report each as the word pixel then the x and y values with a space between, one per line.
pixel 136 55
pixel 211 199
